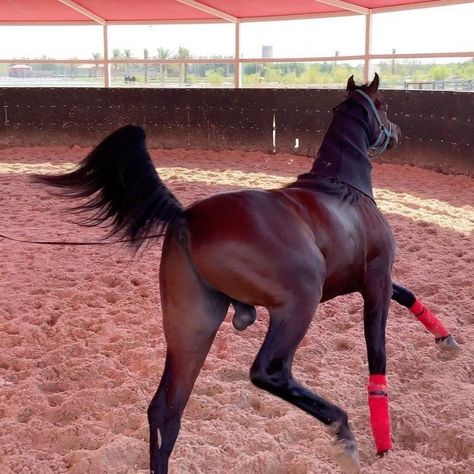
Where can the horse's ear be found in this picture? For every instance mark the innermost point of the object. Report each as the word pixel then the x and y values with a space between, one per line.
pixel 351 85
pixel 373 87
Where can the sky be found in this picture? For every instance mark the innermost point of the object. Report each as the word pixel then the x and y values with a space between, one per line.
pixel 442 29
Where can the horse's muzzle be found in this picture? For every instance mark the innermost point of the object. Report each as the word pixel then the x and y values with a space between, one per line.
pixel 395 137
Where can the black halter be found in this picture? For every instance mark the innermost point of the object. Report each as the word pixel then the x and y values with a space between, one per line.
pixel 384 134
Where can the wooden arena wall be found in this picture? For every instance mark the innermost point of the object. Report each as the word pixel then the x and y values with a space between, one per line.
pixel 437 127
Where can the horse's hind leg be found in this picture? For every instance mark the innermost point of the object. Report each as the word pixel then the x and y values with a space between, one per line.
pixel 406 298
pixel 192 314
pixel 271 371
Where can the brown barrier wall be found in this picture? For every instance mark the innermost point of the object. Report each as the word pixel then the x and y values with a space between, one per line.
pixel 438 127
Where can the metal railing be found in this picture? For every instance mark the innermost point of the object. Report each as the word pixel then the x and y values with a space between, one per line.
pixel 321 72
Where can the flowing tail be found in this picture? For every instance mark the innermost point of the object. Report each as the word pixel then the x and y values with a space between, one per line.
pixel 121 187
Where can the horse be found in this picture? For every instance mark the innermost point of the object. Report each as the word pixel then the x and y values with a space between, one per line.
pixel 285 249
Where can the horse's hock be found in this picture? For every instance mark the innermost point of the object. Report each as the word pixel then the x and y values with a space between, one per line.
pixel 437 127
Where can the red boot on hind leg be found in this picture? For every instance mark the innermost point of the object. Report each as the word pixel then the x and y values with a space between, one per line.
pixel 443 338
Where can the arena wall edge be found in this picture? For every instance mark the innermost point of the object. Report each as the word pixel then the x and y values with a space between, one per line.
pixel 437 126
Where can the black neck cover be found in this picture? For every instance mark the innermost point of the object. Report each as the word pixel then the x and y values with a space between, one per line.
pixel 344 151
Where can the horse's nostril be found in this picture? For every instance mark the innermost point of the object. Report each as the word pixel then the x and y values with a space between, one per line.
pixel 393 142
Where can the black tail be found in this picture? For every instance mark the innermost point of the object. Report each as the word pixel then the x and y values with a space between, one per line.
pixel 123 188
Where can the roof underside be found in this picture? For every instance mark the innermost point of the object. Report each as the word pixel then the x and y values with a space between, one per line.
pixel 152 11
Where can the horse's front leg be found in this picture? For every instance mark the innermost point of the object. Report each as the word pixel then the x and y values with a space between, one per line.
pixel 435 326
pixel 272 372
pixel 377 292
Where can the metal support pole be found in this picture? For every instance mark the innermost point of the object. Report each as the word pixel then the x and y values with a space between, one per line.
pixel 368 45
pixel 106 56
pixel 237 63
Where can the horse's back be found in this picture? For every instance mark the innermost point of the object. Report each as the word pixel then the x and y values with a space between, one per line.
pixel 276 214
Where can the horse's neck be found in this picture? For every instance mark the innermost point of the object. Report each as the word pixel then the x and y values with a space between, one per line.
pixel 344 151
pixel 347 134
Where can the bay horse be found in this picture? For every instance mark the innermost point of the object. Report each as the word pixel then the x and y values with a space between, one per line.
pixel 284 249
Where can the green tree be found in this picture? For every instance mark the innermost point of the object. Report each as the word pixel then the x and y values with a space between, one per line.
pixel 97 72
pixel 116 54
pixel 163 54
pixel 466 70
pixel 127 53
pixel 215 77
pixel 274 75
pixel 183 53
pixel 440 72
pixel 313 75
pixel 97 57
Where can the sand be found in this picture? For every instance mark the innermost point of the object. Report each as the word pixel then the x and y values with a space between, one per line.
pixel 82 350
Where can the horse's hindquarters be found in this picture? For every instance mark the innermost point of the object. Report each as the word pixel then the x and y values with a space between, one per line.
pixel 192 314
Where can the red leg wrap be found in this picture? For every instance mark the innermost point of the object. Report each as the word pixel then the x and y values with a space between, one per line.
pixel 379 417
pixel 429 320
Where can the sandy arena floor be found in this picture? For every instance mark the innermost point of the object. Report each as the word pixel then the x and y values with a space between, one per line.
pixel 82 351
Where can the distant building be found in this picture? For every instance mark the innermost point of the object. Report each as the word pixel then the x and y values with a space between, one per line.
pixel 90 70
pixel 267 51
pixel 20 70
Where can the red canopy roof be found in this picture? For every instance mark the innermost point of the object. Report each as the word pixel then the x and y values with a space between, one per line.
pixel 72 11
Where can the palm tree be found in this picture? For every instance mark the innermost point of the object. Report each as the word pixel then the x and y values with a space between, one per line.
pixel 97 57
pixel 127 53
pixel 183 53
pixel 163 54
pixel 116 54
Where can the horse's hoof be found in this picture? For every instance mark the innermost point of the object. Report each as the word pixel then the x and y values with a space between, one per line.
pixel 346 455
pixel 448 343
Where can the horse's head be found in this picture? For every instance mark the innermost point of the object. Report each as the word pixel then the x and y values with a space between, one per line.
pixel 385 134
